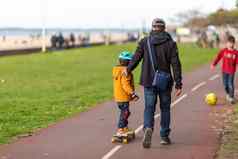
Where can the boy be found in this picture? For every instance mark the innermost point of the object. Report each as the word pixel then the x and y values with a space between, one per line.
pixel 229 57
pixel 124 91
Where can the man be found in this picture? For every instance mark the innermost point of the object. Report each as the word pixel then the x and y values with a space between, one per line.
pixel 167 56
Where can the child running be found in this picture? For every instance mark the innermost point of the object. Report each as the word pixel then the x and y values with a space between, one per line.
pixel 124 91
pixel 229 56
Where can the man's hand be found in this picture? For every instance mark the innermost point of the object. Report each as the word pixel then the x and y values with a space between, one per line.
pixel 178 92
pixel 212 67
pixel 125 72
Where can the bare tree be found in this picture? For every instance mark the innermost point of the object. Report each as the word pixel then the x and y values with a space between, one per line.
pixel 224 17
pixel 186 16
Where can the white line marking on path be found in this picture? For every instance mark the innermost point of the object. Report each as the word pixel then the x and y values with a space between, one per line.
pixel 214 77
pixel 118 147
pixel 178 100
pixel 138 129
pixel 114 150
pixel 198 86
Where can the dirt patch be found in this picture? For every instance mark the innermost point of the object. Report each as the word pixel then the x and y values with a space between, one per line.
pixel 229 135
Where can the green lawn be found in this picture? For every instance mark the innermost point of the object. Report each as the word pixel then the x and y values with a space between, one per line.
pixel 229 145
pixel 39 89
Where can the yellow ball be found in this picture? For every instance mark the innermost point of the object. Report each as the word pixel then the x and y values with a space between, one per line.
pixel 211 99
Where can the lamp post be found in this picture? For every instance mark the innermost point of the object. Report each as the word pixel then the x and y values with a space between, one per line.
pixel 43 31
pixel 43 48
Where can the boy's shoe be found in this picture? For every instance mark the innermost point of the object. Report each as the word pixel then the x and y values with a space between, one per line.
pixel 233 101
pixel 147 138
pixel 126 130
pixel 228 97
pixel 165 141
pixel 120 132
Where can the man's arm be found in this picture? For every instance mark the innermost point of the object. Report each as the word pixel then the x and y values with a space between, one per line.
pixel 136 57
pixel 176 66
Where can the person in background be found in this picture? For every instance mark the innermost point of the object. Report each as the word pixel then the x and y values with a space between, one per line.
pixel 229 57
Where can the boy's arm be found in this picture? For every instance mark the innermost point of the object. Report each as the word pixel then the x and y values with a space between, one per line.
pixel 126 84
pixel 218 58
pixel 236 57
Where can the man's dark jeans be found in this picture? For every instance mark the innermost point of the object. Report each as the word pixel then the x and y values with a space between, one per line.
pixel 228 81
pixel 151 94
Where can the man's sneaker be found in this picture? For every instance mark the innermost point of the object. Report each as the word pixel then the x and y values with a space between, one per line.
pixel 165 141
pixel 147 138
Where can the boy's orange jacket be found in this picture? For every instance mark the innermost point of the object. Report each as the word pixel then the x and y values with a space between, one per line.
pixel 123 85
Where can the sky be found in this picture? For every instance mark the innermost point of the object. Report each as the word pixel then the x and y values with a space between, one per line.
pixel 97 13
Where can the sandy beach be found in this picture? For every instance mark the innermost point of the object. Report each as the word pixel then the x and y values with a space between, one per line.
pixel 23 42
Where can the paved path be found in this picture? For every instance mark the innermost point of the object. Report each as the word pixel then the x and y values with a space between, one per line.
pixel 88 135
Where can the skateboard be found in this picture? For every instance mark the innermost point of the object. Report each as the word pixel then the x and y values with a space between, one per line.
pixel 125 139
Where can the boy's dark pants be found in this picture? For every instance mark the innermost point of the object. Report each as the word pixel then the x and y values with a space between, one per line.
pixel 124 114
pixel 228 81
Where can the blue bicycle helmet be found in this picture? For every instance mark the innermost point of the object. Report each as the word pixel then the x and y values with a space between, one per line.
pixel 125 55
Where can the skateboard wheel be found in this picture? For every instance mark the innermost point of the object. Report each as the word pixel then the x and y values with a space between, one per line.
pixel 125 141
pixel 113 140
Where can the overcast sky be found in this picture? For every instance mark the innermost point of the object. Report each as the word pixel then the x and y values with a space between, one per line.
pixel 97 13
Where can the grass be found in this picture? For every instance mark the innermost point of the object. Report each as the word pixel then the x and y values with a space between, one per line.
pixel 192 56
pixel 40 89
pixel 229 146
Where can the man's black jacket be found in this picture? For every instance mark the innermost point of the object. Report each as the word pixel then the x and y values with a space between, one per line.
pixel 167 58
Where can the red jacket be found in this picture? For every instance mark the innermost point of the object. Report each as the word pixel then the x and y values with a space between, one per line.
pixel 229 58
